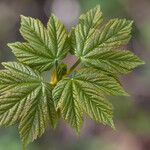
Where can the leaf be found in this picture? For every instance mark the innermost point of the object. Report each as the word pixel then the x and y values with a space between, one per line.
pixel 36 116
pixel 85 29
pixel 82 93
pixel 100 81
pixel 114 61
pixel 27 99
pixel 67 100
pixel 92 19
pixel 58 37
pixel 99 49
pixel 30 56
pixel 96 106
pixel 45 47
pixel 116 33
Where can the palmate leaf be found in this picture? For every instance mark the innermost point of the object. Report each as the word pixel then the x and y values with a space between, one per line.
pixel 45 47
pixel 27 99
pixel 84 92
pixel 114 34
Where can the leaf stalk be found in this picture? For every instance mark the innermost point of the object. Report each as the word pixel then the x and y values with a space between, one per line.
pixel 73 67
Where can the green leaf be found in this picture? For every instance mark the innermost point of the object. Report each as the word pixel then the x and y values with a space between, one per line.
pixel 82 93
pixel 58 73
pixel 58 38
pixel 100 81
pixel 45 47
pixel 113 61
pixel 99 49
pixel 116 33
pixel 27 99
pixel 86 25
pixel 67 100
pixel 91 19
pixel 95 105
pixel 26 54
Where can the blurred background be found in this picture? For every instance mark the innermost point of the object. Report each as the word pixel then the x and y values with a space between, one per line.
pixel 132 114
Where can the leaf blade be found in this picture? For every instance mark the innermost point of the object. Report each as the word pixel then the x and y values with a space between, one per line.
pixel 59 37
pixel 96 106
pixel 44 47
pixel 88 22
pixel 83 93
pixel 99 80
pixel 23 91
pixel 113 61
pixel 35 58
pixel 103 43
pixel 67 103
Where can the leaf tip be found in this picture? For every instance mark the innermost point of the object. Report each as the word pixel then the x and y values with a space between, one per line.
pixel 78 132
pixel 22 17
pixel 140 62
pixel 111 124
pixel 54 17
pixel 4 63
pixel 9 45
pixel 143 62
pixel 126 94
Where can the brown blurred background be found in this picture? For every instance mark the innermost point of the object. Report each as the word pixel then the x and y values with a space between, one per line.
pixel 132 114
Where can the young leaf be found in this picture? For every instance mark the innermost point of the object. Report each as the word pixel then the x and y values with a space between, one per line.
pixel 114 61
pixel 91 19
pixel 61 71
pixel 96 106
pixel 67 100
pixel 37 114
pixel 35 58
pixel 100 81
pixel 99 50
pixel 116 33
pixel 82 92
pixel 58 38
pixel 45 47
pixel 87 23
pixel 27 99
